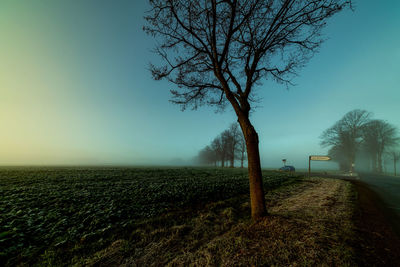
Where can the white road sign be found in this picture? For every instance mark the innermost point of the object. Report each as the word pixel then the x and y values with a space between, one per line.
pixel 320 158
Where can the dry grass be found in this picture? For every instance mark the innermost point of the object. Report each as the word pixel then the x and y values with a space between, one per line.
pixel 309 224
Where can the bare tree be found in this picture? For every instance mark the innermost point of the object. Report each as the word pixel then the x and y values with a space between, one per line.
pixel 345 137
pixel 235 135
pixel 225 147
pixel 217 147
pixel 395 155
pixel 379 137
pixel 207 156
pixel 242 150
pixel 217 51
pixel 371 143
pixel 340 154
pixel 226 142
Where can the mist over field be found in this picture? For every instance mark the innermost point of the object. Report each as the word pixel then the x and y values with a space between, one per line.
pixel 91 100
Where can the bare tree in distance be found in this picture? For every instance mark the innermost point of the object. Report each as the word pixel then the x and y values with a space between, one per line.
pixel 235 135
pixel 221 145
pixel 207 156
pixel 217 147
pixel 379 137
pixel 215 52
pixel 340 153
pixel 371 144
pixel 227 146
pixel 242 150
pixel 345 137
pixel 226 142
pixel 395 156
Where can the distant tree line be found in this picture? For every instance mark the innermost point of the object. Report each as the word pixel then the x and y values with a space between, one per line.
pixel 225 149
pixel 356 136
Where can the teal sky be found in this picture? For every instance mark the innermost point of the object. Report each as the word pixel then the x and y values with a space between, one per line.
pixel 75 88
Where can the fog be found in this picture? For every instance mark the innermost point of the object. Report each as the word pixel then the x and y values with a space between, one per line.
pixel 92 101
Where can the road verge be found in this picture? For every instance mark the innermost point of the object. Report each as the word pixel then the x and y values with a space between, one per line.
pixel 310 223
pixel 377 242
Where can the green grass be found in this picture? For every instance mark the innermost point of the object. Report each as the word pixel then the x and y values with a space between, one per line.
pixel 56 216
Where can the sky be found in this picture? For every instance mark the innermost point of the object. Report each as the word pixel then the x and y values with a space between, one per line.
pixel 75 88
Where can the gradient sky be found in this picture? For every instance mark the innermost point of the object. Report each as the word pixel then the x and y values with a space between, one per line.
pixel 75 88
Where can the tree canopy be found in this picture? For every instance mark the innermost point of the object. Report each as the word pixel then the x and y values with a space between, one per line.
pixel 217 50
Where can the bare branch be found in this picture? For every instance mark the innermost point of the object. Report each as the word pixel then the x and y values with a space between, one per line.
pixel 234 44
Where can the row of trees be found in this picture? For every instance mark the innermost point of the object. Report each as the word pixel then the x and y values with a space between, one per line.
pixel 357 136
pixel 227 147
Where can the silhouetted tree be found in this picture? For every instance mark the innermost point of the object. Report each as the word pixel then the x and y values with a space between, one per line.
pixel 226 142
pixel 216 51
pixel 217 147
pixel 227 146
pixel 234 136
pixel 207 156
pixel 338 154
pixel 379 136
pixel 395 156
pixel 345 137
pixel 242 150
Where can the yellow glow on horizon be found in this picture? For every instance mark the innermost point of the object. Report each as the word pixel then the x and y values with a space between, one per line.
pixel 37 113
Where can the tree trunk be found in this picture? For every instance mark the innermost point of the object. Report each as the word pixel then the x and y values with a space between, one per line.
pixel 241 160
pixel 370 164
pixel 232 154
pixel 373 158
pixel 380 162
pixel 352 159
pixel 257 197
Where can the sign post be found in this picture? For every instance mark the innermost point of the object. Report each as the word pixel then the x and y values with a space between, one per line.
pixel 317 158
